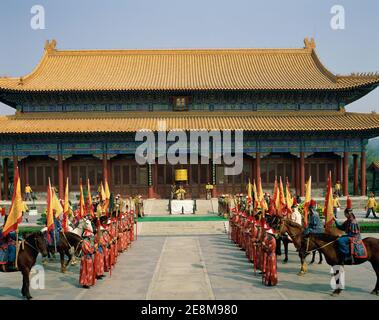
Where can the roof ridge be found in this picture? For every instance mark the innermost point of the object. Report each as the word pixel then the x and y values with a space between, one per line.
pixel 172 114
pixel 181 51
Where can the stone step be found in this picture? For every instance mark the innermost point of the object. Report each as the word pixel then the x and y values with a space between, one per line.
pixel 181 228
pixel 159 207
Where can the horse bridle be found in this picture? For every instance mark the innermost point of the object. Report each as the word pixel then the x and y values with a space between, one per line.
pixel 38 250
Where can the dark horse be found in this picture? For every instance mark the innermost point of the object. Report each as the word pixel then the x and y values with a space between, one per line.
pixel 295 231
pixel 70 244
pixel 32 245
pixel 328 245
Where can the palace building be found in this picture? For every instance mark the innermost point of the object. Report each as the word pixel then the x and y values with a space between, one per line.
pixel 77 113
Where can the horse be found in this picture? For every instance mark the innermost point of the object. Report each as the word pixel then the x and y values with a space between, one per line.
pixel 328 245
pixel 69 243
pixel 295 231
pixel 29 249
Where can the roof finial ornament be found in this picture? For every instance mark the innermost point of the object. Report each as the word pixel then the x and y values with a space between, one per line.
pixel 50 46
pixel 310 43
pixel 20 81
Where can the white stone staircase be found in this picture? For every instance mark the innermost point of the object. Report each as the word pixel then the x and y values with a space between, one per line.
pixel 159 207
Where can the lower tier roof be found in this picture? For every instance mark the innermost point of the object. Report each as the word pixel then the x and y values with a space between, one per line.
pixel 275 121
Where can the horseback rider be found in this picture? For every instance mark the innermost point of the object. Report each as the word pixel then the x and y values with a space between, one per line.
pixel 352 233
pixel 295 215
pixel 314 224
pixel 8 249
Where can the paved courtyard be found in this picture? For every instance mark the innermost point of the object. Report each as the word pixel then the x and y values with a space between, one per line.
pixel 172 261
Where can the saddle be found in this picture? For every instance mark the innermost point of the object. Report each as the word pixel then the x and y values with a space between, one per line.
pixel 358 248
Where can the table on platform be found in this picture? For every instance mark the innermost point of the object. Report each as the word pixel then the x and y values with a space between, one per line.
pixel 182 206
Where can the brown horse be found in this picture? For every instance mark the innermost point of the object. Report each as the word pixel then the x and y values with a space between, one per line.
pixel 70 244
pixel 32 245
pixel 328 245
pixel 295 231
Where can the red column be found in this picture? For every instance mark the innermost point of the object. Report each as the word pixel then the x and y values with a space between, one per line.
pixel 23 179
pixel 60 177
pixel 302 174
pixel 1 191
pixel 105 168
pixel 65 171
pixel 338 166
pixel 355 157
pixel 6 178
pixel 257 165
pixel 345 173
pixel 109 175
pixel 363 173
pixel 15 162
pixel 295 167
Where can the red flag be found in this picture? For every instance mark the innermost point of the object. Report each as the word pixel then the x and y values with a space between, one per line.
pixel 275 195
pixel 81 202
pixel 307 200
pixel 328 207
pixel 49 209
pixel 89 201
pixel 281 209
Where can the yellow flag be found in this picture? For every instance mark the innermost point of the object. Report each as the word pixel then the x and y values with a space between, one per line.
pixel 89 200
pixel 15 212
pixel 307 200
pixel 56 205
pixel 66 201
pixel 66 208
pixel 282 200
pixel 328 208
pixel 49 209
pixel 81 201
pixel 102 192
pixel 289 197
pixel 262 202
pixel 255 194
pixel 107 193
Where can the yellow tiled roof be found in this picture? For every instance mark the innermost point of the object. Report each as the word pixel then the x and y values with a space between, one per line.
pixel 200 69
pixel 281 121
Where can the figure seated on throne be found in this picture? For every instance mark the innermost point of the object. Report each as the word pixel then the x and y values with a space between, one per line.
pixel 180 193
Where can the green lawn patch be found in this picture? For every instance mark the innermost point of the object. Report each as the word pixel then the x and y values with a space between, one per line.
pixel 25 230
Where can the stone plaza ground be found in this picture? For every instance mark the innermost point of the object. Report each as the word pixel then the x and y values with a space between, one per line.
pixel 192 260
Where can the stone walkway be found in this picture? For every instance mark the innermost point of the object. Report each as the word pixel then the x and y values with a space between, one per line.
pixel 193 266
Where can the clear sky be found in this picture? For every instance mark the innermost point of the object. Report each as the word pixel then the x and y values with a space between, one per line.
pixel 127 24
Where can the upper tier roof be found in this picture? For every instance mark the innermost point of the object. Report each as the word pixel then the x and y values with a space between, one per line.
pixel 192 69
pixel 259 122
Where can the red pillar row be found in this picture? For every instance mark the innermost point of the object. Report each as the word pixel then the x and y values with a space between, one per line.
pixel 345 173
pixel 302 174
pixel 355 168
pixel 60 177
pixel 258 165
pixel 363 173
pixel 6 178
pixel 105 168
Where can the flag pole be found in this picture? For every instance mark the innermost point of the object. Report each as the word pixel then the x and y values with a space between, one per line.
pixel 17 248
pixel 55 237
